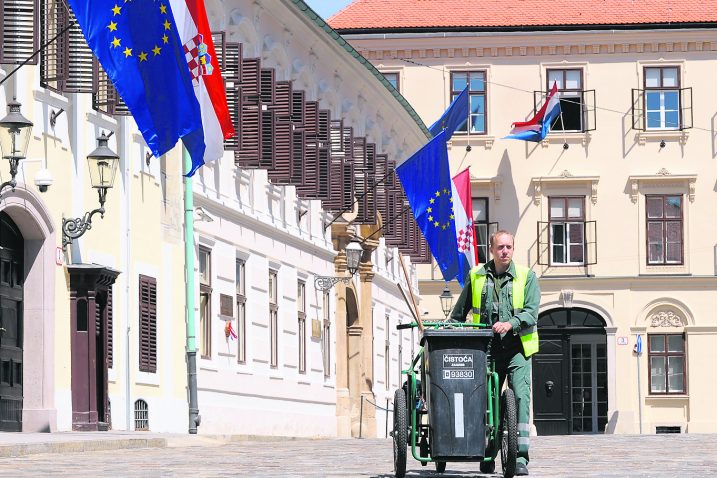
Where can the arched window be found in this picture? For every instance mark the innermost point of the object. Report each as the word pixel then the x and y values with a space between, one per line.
pixel 570 318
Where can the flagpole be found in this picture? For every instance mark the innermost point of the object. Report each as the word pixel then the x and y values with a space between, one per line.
pixel 191 343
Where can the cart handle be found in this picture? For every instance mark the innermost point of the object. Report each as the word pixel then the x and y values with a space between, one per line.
pixel 443 324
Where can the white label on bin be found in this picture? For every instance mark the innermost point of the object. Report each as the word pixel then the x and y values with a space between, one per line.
pixel 457 360
pixel 458 418
pixel 458 374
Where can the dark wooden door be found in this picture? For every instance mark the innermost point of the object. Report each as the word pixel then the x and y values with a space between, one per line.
pixel 11 325
pixel 551 385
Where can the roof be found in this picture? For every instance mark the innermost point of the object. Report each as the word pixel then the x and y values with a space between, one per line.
pixel 321 23
pixel 401 15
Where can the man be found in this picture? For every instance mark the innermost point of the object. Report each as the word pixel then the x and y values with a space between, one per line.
pixel 506 296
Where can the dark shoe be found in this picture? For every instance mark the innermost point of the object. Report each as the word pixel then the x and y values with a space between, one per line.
pixel 521 469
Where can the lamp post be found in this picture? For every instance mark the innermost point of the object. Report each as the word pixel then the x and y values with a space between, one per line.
pixel 446 301
pixel 14 138
pixel 353 258
pixel 103 166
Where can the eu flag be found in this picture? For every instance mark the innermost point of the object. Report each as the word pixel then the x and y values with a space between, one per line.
pixel 454 116
pixel 426 180
pixel 137 44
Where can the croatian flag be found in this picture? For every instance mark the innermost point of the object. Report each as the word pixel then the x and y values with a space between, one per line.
pixel 536 129
pixel 190 17
pixel 463 221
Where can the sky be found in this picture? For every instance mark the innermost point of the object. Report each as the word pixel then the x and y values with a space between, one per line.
pixel 326 8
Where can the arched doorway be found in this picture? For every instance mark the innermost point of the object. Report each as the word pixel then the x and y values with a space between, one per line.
pixel 570 383
pixel 12 277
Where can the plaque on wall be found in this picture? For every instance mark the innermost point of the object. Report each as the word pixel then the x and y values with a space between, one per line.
pixel 226 307
pixel 315 329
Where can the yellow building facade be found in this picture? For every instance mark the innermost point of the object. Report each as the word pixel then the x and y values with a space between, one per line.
pixel 613 210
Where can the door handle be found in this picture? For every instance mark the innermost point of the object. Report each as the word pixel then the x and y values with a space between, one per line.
pixel 549 387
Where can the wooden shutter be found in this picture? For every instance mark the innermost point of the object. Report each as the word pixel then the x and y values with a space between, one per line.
pixel 366 183
pixel 18 31
pixel 104 96
pixel 147 324
pixel 232 61
pixel 266 85
pixel 233 93
pixel 266 159
pixel 324 122
pixel 80 61
pixel 298 149
pixel 311 120
pixel 219 41
pixel 381 181
pixel 283 148
pixel 309 187
pixel 282 100
pixel 110 329
pixel 297 108
pixel 324 174
pixel 247 155
pixel 230 66
pixel 250 79
pixel 54 16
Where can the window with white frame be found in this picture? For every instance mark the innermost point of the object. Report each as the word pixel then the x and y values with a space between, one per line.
pixel 570 86
pixel 567 230
pixel 668 364
pixel 301 312
pixel 273 319
pixel 326 336
pixel 476 82
pixel 205 302
pixel 241 309
pixel 664 229
pixel 662 97
pixel 392 78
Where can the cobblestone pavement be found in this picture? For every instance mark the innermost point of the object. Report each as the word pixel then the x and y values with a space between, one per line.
pixel 603 456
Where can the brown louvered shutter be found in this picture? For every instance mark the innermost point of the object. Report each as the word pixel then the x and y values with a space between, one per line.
pixel 266 160
pixel 367 177
pixel 250 78
pixel 54 58
pixel 309 187
pixel 282 100
pixel 297 108
pixel 298 148
pixel 219 41
pixel 110 329
pixel 230 67
pixel 18 31
pixel 266 85
pixel 249 152
pixel 381 180
pixel 283 148
pixel 311 120
pixel 324 122
pixel 104 96
pixel 324 175
pixel 80 63
pixel 147 324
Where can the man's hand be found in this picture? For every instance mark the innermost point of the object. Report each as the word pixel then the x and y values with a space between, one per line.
pixel 502 327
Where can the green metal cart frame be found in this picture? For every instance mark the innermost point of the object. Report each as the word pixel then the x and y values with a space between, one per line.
pixel 409 427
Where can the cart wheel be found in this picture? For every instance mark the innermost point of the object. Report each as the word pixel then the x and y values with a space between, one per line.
pixel 400 433
pixel 487 466
pixel 508 433
pixel 440 466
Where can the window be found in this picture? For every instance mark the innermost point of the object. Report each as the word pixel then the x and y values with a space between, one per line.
pixel 205 302
pixel 477 91
pixel 273 320
pixel 387 353
pixel 393 79
pixel 483 228
pixel 662 98
pixel 570 86
pixel 567 230
pixel 147 324
pixel 241 310
pixel 326 338
pixel 301 306
pixel 141 415
pixel 664 230
pixel 667 363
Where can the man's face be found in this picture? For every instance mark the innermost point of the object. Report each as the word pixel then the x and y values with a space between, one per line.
pixel 502 249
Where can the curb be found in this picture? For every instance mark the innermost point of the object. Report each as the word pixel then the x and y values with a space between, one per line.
pixel 24 449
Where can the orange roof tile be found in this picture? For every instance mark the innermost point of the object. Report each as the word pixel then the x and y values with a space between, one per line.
pixel 511 14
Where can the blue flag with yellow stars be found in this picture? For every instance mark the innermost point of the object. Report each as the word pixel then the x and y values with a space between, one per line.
pixel 137 44
pixel 426 180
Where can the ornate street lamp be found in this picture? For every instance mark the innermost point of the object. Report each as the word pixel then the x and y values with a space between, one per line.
pixel 446 301
pixel 353 258
pixel 103 166
pixel 15 132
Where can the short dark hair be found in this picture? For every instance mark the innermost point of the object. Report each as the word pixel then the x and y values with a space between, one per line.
pixel 497 233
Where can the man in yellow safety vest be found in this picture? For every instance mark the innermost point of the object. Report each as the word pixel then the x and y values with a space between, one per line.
pixel 508 297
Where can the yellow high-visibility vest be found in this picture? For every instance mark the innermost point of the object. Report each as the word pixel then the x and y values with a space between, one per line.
pixel 529 335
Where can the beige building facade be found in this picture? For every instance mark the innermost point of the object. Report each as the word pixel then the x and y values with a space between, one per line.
pixel 613 210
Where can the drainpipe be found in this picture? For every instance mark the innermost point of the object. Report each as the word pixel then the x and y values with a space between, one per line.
pixel 124 138
pixel 191 347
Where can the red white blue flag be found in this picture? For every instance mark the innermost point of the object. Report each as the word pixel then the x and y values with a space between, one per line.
pixel 190 17
pixel 537 128
pixel 463 221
